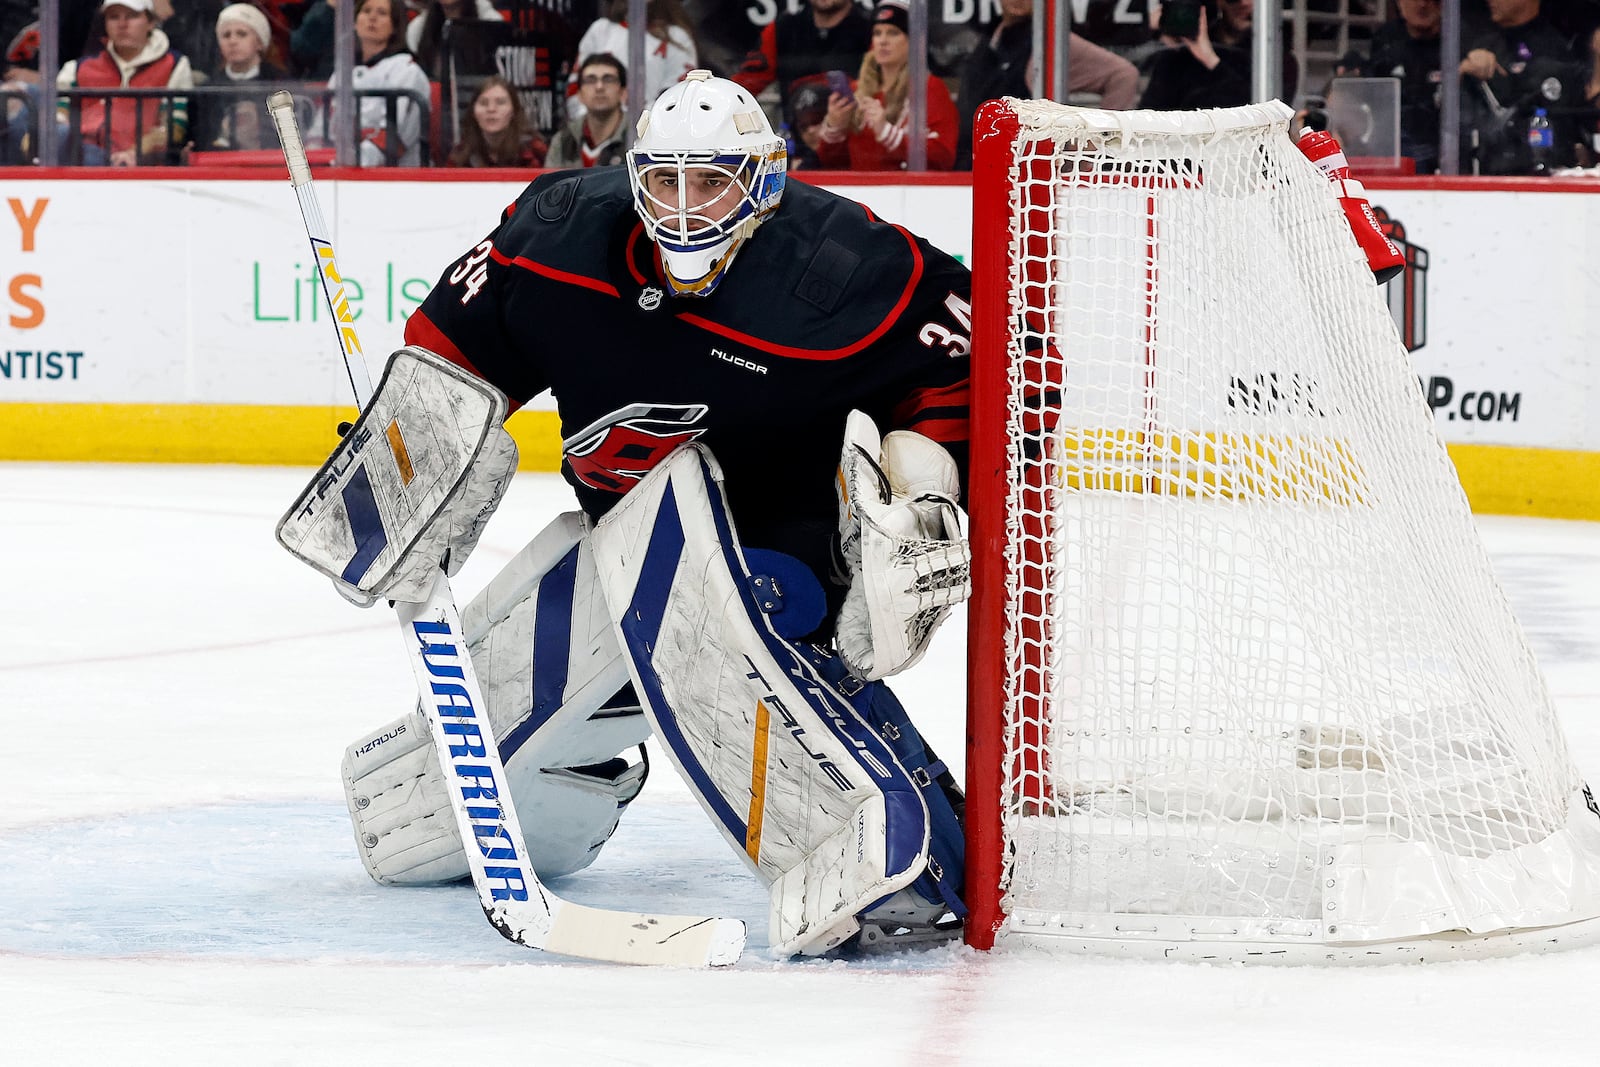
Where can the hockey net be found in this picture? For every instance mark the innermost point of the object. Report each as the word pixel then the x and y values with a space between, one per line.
pixel 1243 683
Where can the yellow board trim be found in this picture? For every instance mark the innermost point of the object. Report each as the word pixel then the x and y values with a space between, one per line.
pixel 758 784
pixel 1542 482
pixel 402 458
pixel 1499 479
pixel 1217 465
pixel 280 435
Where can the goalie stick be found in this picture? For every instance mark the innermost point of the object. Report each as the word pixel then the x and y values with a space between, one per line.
pixel 509 890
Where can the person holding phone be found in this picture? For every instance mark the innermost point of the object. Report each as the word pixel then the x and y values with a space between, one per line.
pixel 805 49
pixel 1194 71
pixel 1208 55
pixel 1003 64
pixel 868 125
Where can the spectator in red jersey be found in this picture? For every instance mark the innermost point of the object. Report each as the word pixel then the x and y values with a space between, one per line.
pixel 869 129
pixel 495 132
pixel 804 46
pixel 596 140
pixel 282 17
pixel 135 55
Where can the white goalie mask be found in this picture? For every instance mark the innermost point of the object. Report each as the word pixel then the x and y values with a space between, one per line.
pixel 706 171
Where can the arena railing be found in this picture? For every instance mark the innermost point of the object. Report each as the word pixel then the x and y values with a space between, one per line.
pixel 313 105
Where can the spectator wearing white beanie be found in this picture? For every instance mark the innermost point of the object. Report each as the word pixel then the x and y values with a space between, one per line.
pixel 233 122
pixel 253 19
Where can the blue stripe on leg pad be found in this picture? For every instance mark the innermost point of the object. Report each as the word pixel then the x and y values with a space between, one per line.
pixel 552 635
pixel 552 651
pixel 366 525
pixel 642 625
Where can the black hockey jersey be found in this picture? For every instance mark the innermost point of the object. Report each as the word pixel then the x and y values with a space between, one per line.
pixel 825 309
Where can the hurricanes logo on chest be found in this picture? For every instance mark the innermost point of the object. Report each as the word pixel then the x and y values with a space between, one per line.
pixel 617 450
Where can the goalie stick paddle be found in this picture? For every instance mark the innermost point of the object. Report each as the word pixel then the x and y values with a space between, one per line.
pixel 508 889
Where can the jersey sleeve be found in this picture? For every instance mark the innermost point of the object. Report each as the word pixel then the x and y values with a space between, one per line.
pixel 463 319
pixel 932 349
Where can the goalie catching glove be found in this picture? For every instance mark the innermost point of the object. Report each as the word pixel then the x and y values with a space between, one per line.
pixel 900 532
pixel 411 485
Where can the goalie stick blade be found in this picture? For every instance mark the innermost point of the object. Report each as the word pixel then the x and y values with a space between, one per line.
pixel 625 937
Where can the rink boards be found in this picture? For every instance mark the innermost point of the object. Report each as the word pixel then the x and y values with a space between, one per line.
pixel 173 319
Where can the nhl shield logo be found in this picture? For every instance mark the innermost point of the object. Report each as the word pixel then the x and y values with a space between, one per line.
pixel 650 298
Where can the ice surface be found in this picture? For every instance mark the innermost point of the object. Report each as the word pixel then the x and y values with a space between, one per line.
pixel 177 883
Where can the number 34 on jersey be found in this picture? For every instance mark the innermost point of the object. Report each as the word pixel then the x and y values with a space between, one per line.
pixel 937 335
pixel 474 271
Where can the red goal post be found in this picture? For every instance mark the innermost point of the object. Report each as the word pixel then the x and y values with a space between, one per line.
pixel 1241 682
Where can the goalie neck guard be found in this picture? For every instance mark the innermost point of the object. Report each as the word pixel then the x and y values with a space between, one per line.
pixel 700 133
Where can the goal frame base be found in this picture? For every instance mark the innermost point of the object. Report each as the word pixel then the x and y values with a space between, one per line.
pixel 1146 937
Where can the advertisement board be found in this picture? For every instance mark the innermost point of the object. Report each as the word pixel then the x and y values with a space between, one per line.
pixel 142 319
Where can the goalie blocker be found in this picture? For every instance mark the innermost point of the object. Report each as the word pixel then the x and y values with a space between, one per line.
pixel 412 483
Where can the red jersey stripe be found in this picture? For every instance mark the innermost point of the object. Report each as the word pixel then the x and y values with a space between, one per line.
pixel 550 272
pixel 825 353
pixel 421 331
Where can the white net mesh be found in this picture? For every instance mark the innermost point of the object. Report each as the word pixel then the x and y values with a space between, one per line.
pixel 1259 672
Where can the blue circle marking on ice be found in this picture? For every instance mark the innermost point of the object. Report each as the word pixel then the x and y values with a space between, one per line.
pixel 281 881
pixel 271 881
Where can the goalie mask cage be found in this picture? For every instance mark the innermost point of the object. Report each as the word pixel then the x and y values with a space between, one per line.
pixel 1242 682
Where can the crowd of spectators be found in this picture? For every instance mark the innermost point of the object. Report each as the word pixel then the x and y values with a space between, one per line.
pixel 530 83
pixel 1523 63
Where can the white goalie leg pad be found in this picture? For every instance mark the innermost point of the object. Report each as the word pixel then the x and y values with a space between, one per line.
pixel 416 478
pixel 405 831
pixel 900 533
pixel 547 658
pixel 792 777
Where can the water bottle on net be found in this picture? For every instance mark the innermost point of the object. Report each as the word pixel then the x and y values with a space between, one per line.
pixel 1383 256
